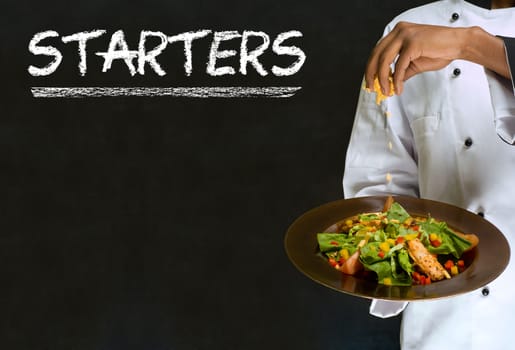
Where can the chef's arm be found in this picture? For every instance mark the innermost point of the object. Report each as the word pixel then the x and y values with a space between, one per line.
pixel 416 48
pixel 483 48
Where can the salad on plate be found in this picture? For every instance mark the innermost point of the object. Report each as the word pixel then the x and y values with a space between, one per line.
pixel 396 248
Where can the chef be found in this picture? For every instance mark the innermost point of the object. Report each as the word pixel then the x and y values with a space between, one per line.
pixel 447 134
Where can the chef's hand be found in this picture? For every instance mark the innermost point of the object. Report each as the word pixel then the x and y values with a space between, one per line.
pixel 418 48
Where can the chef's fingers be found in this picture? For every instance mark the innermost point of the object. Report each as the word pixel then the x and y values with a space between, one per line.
pixel 371 69
pixel 377 60
pixel 424 64
pixel 403 68
pixel 384 64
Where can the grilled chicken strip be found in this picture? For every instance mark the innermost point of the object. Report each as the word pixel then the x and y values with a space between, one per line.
pixel 426 261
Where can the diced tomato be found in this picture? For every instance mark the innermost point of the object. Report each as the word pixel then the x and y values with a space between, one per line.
pixel 334 243
pixel 448 264
pixel 415 227
pixel 424 280
pixel 461 265
pixel 399 240
pixel 342 260
pixel 420 278
pixel 416 276
pixel 332 262
pixel 436 243
pixel 381 254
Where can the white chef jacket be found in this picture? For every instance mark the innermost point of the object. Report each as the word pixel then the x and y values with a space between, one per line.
pixel 442 139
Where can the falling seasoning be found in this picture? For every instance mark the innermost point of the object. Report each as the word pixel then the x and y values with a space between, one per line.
pixel 388 177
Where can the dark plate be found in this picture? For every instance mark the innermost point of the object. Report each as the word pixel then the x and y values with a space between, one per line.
pixel 487 260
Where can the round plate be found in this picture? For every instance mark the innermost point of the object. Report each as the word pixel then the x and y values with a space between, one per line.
pixel 488 259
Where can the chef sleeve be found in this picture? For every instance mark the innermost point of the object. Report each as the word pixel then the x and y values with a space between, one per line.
pixel 502 92
pixel 386 308
pixel 380 159
pixel 380 156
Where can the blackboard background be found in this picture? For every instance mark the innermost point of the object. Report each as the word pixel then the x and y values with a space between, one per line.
pixel 158 223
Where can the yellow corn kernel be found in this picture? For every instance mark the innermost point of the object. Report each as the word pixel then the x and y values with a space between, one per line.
pixel 377 89
pixel 344 253
pixel 433 237
pixel 408 221
pixel 454 270
pixel 411 236
pixel 391 241
pixel 384 246
pixel 387 281
pixel 348 222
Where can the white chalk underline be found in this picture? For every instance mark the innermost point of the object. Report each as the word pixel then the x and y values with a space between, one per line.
pixel 197 92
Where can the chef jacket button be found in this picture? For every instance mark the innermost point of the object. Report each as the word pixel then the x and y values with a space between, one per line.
pixel 455 16
pixel 485 291
pixel 456 72
pixel 481 214
pixel 468 142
